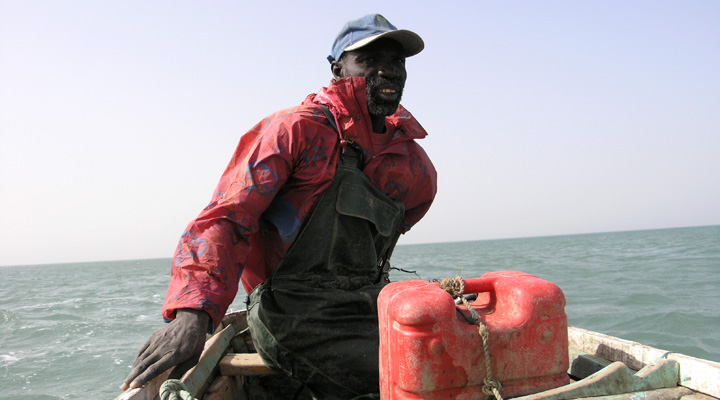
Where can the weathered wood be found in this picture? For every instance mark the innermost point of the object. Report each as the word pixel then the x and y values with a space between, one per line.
pixel 585 365
pixel 675 393
pixel 237 319
pixel 634 355
pixel 615 379
pixel 147 392
pixel 222 388
pixel 198 375
pixel 243 364
pixel 697 374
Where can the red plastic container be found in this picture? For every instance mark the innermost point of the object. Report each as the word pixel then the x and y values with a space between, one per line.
pixel 428 350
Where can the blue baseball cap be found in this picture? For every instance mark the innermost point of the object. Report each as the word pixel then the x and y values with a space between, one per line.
pixel 361 32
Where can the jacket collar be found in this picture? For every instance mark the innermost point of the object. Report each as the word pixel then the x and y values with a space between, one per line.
pixel 347 99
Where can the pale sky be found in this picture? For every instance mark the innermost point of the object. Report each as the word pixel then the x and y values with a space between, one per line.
pixel 545 117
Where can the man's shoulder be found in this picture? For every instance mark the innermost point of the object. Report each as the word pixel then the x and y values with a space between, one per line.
pixel 302 112
pixel 305 122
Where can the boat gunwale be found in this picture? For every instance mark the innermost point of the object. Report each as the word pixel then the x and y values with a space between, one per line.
pixel 697 374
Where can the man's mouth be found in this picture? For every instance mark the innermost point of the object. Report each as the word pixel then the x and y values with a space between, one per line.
pixel 388 94
pixel 383 95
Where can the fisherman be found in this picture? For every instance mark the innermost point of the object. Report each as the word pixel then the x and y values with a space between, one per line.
pixel 306 216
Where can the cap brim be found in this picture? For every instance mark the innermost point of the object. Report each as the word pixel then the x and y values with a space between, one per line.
pixel 411 42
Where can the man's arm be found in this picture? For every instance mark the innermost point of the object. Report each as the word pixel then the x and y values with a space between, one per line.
pixel 212 253
pixel 179 343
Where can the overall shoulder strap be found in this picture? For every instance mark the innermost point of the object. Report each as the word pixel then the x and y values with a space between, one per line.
pixel 350 148
pixel 329 116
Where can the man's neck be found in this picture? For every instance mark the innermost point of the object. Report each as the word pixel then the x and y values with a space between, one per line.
pixel 378 123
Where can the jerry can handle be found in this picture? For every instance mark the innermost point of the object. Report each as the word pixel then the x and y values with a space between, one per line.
pixel 479 285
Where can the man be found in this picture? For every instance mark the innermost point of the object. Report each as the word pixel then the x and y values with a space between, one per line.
pixel 307 217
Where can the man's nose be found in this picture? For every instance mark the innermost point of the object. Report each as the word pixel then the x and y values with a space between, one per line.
pixel 389 70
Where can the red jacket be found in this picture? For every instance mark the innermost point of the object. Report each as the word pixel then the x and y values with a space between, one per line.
pixel 279 170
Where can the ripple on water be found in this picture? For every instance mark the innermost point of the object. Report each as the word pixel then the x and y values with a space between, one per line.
pixel 8 359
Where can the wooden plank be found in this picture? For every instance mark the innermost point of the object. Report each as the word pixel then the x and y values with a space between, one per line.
pixel 675 393
pixel 243 364
pixel 222 388
pixel 151 389
pixel 585 365
pixel 698 374
pixel 632 354
pixel 695 373
pixel 147 392
pixel 615 379
pixel 198 375
pixel 238 319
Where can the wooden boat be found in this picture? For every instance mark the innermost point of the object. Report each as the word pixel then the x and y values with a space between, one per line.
pixel 600 366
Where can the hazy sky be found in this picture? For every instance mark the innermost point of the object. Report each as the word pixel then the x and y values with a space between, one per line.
pixel 545 117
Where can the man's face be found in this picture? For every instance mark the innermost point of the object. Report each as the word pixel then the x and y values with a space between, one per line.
pixel 382 63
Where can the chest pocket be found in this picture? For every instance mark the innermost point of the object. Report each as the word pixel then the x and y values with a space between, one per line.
pixel 355 200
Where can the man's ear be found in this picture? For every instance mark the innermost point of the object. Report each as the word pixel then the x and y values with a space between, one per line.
pixel 337 69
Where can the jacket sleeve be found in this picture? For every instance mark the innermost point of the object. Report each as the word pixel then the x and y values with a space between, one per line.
pixel 211 254
pixel 420 199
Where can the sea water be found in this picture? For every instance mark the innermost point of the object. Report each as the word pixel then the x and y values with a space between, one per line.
pixel 71 331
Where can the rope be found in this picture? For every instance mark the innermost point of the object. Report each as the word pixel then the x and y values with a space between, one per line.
pixel 456 288
pixel 174 389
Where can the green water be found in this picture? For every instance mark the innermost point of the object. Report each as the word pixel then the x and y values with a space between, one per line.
pixel 71 331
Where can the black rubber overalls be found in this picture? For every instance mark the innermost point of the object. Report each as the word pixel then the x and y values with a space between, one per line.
pixel 316 318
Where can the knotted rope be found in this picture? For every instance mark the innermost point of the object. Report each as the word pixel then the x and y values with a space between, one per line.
pixel 174 389
pixel 456 288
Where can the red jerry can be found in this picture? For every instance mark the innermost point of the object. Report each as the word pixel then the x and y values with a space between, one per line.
pixel 429 350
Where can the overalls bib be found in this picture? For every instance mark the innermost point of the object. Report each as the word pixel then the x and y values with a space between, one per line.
pixel 316 319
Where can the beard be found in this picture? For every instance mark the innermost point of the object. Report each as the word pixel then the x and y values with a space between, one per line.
pixel 376 105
